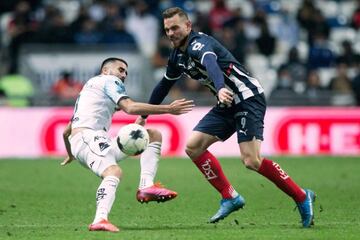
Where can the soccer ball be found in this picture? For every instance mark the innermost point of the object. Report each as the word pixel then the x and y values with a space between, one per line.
pixel 132 139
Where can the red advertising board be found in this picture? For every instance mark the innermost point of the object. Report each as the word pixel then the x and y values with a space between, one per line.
pixel 335 132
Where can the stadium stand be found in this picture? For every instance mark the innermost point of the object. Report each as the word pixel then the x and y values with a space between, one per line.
pixel 261 33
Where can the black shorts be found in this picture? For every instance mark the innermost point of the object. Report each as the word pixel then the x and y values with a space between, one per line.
pixel 246 118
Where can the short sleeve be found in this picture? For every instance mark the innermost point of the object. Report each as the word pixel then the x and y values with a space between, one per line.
pixel 115 89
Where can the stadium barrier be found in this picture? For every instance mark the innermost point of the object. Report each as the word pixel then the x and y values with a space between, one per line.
pixel 43 65
pixel 34 132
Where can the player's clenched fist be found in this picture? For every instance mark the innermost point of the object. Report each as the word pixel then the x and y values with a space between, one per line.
pixel 225 96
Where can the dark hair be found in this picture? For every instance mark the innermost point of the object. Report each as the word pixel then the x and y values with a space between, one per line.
pixel 112 59
pixel 66 74
pixel 170 12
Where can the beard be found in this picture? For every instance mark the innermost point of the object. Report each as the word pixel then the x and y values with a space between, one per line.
pixel 178 43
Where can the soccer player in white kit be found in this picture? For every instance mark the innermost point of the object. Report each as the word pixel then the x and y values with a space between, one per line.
pixel 86 138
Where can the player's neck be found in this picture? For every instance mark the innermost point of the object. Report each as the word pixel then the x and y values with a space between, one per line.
pixel 184 46
pixel 186 43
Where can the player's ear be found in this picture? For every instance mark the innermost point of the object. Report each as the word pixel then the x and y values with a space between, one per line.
pixel 188 24
pixel 105 70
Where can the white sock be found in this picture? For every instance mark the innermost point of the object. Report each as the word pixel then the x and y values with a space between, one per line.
pixel 233 192
pixel 148 164
pixel 105 196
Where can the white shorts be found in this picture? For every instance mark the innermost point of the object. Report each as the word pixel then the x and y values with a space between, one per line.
pixel 95 150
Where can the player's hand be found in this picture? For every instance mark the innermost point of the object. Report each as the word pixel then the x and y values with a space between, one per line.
pixel 67 160
pixel 181 106
pixel 141 121
pixel 225 96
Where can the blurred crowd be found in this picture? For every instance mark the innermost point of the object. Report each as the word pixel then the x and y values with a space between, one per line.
pixel 304 52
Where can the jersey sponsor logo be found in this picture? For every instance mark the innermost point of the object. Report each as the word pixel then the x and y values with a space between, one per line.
pixel 197 46
pixel 209 173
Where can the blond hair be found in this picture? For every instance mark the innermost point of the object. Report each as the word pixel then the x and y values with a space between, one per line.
pixel 170 12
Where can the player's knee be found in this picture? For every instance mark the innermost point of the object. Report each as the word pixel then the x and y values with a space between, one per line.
pixel 251 161
pixel 154 135
pixel 192 150
pixel 113 170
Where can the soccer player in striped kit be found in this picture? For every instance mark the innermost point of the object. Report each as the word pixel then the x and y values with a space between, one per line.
pixel 241 108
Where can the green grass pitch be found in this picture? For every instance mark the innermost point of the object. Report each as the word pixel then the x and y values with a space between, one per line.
pixel 39 199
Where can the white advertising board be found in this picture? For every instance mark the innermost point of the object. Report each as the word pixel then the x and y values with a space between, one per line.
pixel 34 132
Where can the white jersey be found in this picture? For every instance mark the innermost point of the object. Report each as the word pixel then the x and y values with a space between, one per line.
pixel 97 102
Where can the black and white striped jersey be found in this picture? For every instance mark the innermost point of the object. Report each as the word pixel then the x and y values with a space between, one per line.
pixel 190 62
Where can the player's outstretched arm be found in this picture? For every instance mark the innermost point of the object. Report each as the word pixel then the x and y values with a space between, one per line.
pixel 177 107
pixel 181 106
pixel 160 91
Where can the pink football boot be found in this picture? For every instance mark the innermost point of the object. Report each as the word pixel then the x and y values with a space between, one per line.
pixel 103 225
pixel 157 192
